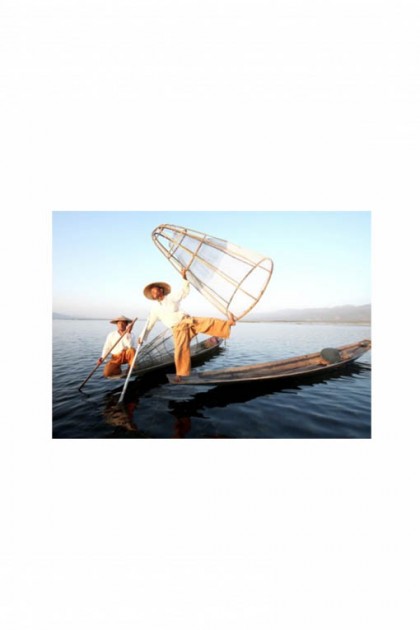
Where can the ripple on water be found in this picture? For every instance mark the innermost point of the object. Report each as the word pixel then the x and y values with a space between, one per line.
pixel 334 407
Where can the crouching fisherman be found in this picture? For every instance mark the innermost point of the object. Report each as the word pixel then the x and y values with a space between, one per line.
pixel 123 352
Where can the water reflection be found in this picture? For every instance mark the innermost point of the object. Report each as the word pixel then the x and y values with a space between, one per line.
pixel 189 407
pixel 154 409
pixel 120 416
pixel 198 406
pixel 224 395
pixel 182 426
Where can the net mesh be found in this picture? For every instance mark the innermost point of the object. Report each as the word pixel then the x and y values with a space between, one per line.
pixel 228 276
pixel 160 351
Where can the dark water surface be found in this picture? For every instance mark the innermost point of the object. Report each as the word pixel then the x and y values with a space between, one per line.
pixel 334 406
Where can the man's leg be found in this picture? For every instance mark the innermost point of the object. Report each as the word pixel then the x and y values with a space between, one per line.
pixel 211 326
pixel 182 337
pixel 129 355
pixel 113 367
pixel 188 329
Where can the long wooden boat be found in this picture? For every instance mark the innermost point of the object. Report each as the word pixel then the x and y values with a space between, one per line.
pixel 326 360
pixel 159 354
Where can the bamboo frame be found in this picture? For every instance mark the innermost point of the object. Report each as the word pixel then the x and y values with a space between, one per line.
pixel 174 249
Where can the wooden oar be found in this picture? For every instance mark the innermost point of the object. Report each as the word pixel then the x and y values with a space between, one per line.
pixel 120 399
pixel 106 356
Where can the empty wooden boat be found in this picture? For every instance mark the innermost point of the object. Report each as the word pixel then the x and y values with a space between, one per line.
pixel 326 360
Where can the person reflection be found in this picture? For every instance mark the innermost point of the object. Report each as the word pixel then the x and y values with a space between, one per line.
pixel 182 426
pixel 184 414
pixel 120 416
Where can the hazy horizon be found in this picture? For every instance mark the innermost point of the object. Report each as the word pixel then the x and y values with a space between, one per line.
pixel 144 314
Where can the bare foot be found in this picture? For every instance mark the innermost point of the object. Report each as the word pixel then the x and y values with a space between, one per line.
pixel 232 319
pixel 177 379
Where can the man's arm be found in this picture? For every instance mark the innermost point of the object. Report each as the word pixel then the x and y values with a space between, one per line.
pixel 184 290
pixel 105 350
pixel 151 321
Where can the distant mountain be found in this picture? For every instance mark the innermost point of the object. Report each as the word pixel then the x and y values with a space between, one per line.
pixel 345 314
pixel 62 316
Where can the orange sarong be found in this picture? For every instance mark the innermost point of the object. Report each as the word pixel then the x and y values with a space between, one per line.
pixel 186 330
pixel 113 368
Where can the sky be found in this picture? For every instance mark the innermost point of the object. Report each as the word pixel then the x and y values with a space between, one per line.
pixel 103 260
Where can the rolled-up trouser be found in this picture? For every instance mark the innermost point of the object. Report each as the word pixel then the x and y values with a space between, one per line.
pixel 113 368
pixel 186 330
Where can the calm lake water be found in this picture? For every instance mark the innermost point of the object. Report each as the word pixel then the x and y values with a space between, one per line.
pixel 335 406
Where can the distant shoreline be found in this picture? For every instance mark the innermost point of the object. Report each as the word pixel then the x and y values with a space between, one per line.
pixel 304 321
pixel 253 321
pixel 344 314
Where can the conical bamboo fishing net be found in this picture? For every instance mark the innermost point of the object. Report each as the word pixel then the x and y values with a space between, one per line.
pixel 228 276
pixel 160 351
pixel 156 352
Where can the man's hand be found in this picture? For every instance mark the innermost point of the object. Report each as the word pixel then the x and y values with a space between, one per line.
pixel 99 361
pixel 184 274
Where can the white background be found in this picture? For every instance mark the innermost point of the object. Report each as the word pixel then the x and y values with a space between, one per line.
pixel 223 105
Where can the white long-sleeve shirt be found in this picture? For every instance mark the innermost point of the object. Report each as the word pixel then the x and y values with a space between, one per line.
pixel 167 310
pixel 127 341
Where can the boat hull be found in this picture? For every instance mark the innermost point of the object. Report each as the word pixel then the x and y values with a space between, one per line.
pixel 294 367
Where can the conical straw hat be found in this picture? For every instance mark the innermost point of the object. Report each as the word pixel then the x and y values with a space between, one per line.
pixel 162 285
pixel 121 318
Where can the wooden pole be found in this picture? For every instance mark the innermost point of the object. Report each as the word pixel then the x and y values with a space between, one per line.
pixel 120 399
pixel 106 356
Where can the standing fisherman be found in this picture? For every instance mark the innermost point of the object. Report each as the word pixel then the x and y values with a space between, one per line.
pixel 184 328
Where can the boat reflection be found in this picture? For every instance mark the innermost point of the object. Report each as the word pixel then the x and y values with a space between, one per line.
pixel 188 408
pixel 222 395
